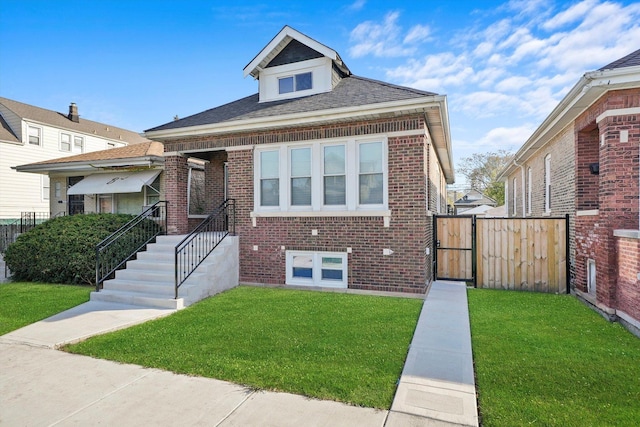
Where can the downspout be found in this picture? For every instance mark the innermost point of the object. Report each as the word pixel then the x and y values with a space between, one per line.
pixel 515 163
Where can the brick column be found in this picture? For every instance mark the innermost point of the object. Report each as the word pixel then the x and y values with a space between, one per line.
pixel 618 201
pixel 176 181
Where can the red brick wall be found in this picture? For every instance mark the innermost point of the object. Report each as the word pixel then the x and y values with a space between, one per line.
pixel 617 201
pixel 176 179
pixel 586 248
pixel 407 270
pixel 628 289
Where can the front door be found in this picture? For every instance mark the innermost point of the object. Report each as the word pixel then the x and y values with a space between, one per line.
pixel 75 202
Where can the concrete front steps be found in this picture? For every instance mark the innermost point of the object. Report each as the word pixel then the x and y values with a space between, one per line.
pixel 149 280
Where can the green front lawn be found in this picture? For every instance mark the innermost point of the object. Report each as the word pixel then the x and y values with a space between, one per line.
pixel 335 346
pixel 549 360
pixel 24 303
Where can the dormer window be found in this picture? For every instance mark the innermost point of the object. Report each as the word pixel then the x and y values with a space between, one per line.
pixel 295 83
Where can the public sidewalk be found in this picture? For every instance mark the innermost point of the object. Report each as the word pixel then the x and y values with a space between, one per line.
pixel 42 386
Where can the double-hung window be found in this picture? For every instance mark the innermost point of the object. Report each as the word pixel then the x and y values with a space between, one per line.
pixel 547 183
pixel 65 142
pixel 270 178
pixel 35 134
pixel 334 175
pixel 300 165
pixel 78 144
pixel 371 175
pixel 321 176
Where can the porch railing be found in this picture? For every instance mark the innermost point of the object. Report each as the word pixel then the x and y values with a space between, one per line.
pixel 194 248
pixel 121 246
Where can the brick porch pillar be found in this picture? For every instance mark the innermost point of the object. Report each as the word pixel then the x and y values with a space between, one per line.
pixel 176 181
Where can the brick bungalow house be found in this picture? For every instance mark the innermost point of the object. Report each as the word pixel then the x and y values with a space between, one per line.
pixel 335 177
pixel 583 161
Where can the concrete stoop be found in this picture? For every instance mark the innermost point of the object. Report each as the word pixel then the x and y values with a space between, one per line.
pixel 148 281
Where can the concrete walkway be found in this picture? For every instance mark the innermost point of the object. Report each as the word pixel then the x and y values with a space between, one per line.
pixel 42 386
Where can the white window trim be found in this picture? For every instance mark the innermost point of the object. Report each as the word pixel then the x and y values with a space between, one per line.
pixel 317 203
pixel 547 183
pixel 39 144
pixel 70 142
pixel 317 269
pixel 529 186
pixel 73 144
pixel 45 184
pixel 515 197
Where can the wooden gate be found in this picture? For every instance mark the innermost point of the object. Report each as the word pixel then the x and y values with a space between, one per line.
pixel 504 253
pixel 454 247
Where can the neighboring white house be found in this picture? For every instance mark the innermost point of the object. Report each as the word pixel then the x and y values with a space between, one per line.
pixel 31 134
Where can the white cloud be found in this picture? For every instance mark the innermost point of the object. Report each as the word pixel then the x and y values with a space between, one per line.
pixel 385 39
pixel 357 5
pixel 417 34
pixel 506 138
pixel 434 72
pixel 513 84
pixel 574 13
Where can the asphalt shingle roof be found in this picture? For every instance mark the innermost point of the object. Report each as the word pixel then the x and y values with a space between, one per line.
pixel 6 134
pixel 351 91
pixel 53 118
pixel 631 60
pixel 149 148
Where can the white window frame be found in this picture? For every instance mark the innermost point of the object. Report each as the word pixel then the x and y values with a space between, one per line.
pixel 514 209
pixel 45 183
pixel 69 142
pixel 75 147
pixel 291 177
pixel 529 186
pixel 317 178
pixel 547 183
pixel 317 280
pixel 294 78
pixel 39 136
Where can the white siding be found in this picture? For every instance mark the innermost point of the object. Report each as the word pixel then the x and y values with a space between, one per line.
pixel 21 191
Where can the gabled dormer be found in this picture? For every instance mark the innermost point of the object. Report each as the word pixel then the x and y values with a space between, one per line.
pixel 293 65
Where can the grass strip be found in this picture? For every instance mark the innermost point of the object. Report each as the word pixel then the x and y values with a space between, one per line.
pixel 23 303
pixel 343 347
pixel 549 360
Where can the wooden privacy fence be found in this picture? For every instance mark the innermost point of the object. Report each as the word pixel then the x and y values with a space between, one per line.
pixel 504 253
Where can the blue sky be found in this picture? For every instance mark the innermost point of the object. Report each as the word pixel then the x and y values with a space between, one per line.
pixel 503 65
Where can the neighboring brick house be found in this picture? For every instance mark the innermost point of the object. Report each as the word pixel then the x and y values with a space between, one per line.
pixel 336 177
pixel 583 161
pixel 31 134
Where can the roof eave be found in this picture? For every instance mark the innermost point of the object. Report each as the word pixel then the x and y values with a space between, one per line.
pixel 586 91
pixel 90 164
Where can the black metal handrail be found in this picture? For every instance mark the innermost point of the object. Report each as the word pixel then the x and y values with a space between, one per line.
pixel 123 244
pixel 194 248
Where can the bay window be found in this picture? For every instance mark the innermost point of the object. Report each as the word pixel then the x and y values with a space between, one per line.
pixel 335 184
pixel 301 176
pixel 371 173
pixel 321 176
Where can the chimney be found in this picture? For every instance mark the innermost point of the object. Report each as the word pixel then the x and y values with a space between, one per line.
pixel 73 113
